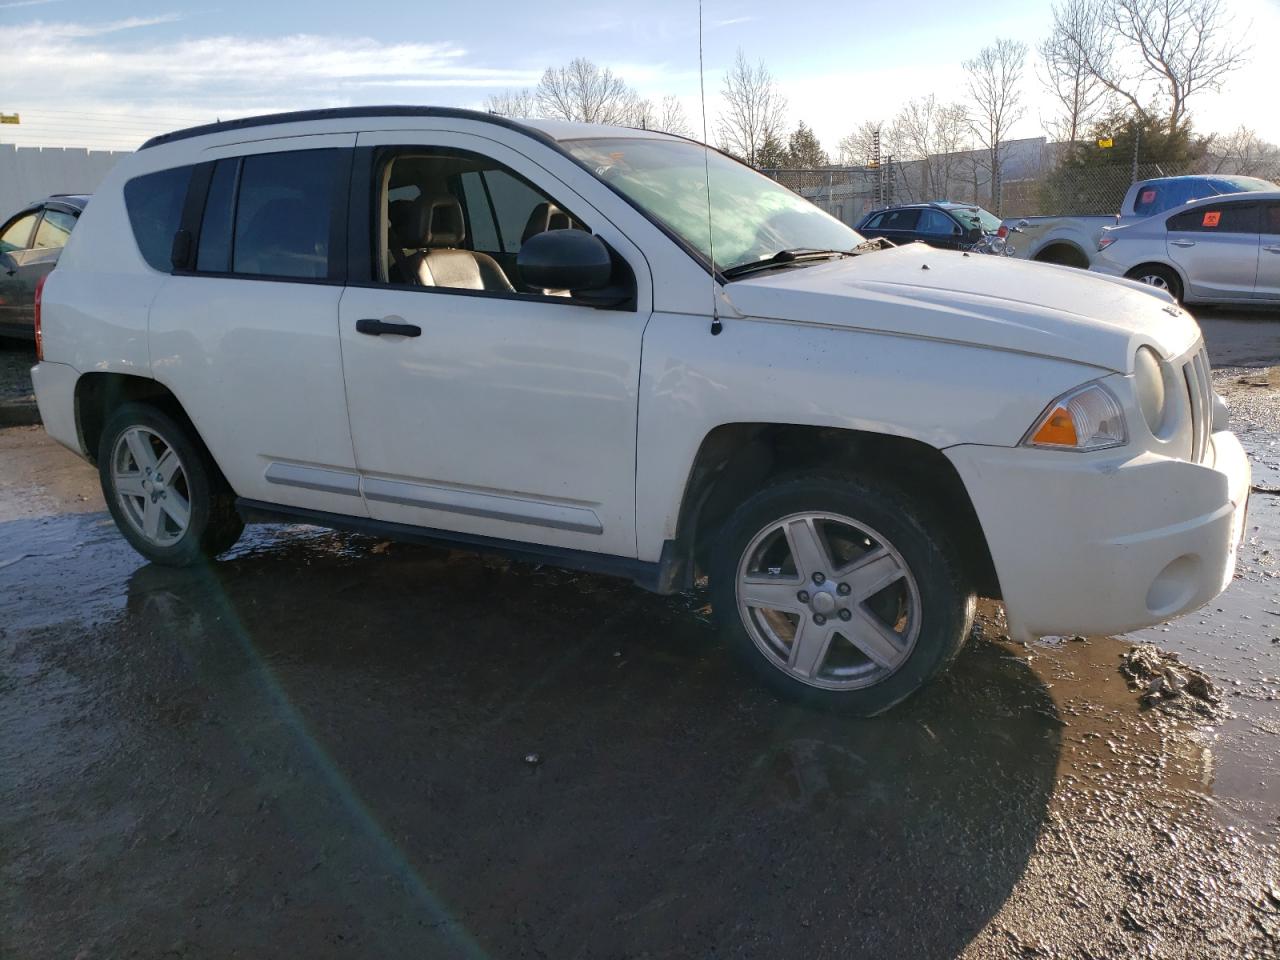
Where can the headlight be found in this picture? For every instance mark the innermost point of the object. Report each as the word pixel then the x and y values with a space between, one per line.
pixel 1151 381
pixel 1086 418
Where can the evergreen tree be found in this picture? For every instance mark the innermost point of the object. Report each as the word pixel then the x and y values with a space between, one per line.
pixel 803 149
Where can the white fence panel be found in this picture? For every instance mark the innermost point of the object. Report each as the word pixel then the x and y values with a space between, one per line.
pixel 31 173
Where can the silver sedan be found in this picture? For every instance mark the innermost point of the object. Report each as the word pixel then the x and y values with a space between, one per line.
pixel 1218 250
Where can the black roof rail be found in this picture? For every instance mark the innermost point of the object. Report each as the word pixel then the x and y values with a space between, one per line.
pixel 343 113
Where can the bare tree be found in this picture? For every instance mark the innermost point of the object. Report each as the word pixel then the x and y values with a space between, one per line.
pixel 668 116
pixel 935 136
pixel 512 103
pixel 753 109
pixel 995 84
pixel 586 93
pixel 1079 26
pixel 1242 152
pixel 672 118
pixel 858 147
pixel 1161 51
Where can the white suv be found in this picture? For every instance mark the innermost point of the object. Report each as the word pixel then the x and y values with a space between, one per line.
pixel 547 340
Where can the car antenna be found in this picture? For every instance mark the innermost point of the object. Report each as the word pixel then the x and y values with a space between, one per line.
pixel 716 325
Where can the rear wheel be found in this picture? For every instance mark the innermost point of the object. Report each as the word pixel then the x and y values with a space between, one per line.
pixel 1158 276
pixel 840 592
pixel 162 489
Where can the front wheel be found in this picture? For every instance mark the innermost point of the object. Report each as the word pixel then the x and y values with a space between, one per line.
pixel 162 489
pixel 840 592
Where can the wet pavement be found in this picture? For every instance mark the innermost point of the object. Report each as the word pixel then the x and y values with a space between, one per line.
pixel 324 746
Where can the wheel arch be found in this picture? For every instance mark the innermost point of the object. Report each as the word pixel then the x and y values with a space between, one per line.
pixel 1065 253
pixel 1164 265
pixel 98 395
pixel 736 459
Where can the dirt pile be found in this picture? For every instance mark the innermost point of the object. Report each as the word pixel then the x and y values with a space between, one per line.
pixel 1171 686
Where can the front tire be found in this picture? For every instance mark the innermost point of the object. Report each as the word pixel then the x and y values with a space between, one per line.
pixel 163 490
pixel 840 592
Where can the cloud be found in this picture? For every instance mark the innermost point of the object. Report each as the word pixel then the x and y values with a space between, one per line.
pixel 26 3
pixel 88 61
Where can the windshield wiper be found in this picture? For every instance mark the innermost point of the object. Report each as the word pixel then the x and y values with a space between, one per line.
pixel 782 258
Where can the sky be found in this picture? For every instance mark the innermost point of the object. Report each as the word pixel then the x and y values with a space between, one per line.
pixel 110 73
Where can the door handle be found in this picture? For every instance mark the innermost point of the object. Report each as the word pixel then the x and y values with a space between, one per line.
pixel 380 328
pixel 1183 243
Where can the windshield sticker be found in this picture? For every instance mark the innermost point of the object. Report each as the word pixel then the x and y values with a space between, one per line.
pixel 1211 218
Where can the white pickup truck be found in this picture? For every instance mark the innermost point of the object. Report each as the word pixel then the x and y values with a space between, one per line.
pixel 1073 241
pixel 545 340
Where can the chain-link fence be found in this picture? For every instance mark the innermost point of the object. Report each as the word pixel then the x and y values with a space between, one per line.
pixel 849 193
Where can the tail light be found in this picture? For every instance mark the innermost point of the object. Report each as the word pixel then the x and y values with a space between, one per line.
pixel 39 301
pixel 1003 232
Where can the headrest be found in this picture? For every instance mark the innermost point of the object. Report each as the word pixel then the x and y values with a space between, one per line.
pixel 434 221
pixel 546 216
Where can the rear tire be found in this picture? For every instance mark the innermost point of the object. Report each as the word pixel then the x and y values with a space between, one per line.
pixel 163 490
pixel 885 608
pixel 1158 276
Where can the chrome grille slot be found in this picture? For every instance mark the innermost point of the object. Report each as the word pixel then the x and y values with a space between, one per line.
pixel 1200 393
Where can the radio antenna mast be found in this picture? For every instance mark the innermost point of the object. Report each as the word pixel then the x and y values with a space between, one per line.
pixel 716 325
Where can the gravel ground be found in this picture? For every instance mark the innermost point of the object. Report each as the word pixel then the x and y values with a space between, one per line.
pixel 16 358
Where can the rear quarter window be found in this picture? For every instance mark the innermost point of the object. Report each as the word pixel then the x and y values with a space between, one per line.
pixel 154 203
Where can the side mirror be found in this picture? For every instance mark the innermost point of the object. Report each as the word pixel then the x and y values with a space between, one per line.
pixel 973 234
pixel 572 260
pixel 8 265
pixel 1020 226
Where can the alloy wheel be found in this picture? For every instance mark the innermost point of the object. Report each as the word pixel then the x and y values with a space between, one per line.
pixel 828 601
pixel 150 485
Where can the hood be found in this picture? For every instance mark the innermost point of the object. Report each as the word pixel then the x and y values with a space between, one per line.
pixel 987 301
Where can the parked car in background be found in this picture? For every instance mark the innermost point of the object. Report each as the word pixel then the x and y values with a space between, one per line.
pixel 943 224
pixel 438 324
pixel 1073 241
pixel 1216 250
pixel 30 243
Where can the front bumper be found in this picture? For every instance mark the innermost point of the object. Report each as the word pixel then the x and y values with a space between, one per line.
pixel 1097 545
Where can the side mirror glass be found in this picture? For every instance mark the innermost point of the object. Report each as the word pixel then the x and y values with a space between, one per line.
pixel 572 260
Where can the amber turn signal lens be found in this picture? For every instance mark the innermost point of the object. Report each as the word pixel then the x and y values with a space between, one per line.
pixel 1058 429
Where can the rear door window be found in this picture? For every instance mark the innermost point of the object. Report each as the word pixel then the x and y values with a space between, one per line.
pixel 214 251
pixel 1217 218
pixel 154 202
pixel 55 227
pixel 284 214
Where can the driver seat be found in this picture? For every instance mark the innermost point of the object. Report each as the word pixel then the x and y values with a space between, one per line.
pixel 437 229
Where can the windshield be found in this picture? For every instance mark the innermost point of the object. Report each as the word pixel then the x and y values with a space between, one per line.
pixel 752 217
pixel 976 217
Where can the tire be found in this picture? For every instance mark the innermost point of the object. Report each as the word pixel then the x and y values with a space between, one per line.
pixel 1159 276
pixel 139 437
pixel 907 630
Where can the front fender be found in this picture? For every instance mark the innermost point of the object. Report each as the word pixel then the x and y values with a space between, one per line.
pixel 785 372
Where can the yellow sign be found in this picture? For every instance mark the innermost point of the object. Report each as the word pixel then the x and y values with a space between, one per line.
pixel 1106 143
pixel 10 118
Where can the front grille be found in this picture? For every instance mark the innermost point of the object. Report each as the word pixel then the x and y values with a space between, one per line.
pixel 1200 393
